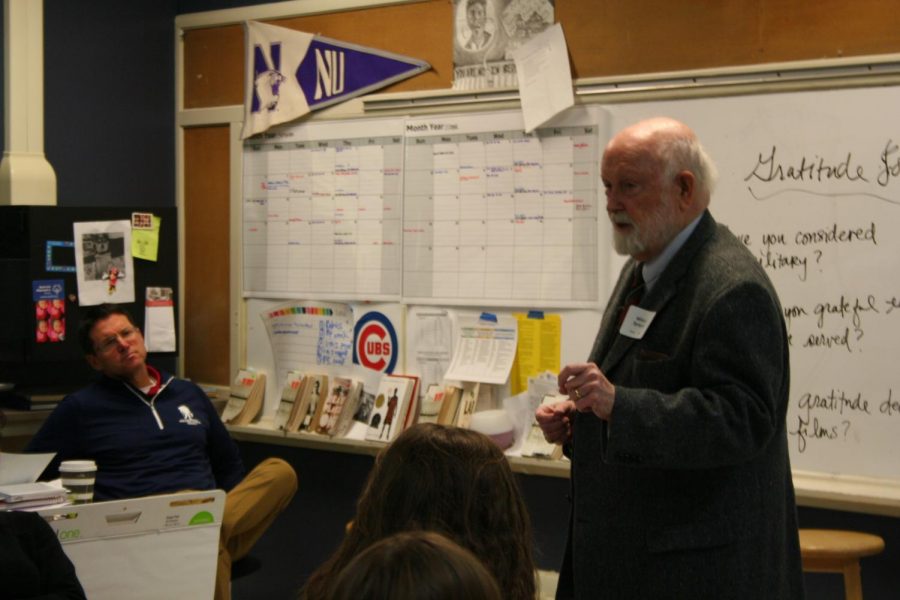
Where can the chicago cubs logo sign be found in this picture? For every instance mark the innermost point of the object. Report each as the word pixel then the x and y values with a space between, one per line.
pixel 375 342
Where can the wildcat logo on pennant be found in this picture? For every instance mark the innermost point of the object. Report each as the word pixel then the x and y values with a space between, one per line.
pixel 289 73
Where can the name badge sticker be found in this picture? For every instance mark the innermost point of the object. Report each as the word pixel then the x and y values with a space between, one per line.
pixel 636 322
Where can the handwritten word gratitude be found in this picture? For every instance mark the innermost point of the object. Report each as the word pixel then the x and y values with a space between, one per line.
pixel 834 401
pixel 816 169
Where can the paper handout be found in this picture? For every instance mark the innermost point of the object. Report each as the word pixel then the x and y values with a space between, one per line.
pixel 484 349
pixel 22 468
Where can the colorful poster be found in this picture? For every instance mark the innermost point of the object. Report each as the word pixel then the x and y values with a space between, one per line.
pixel 49 310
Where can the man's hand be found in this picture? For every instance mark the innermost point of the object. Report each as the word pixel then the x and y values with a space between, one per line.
pixel 556 421
pixel 588 388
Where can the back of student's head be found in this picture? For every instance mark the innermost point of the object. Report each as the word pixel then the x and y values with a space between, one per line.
pixel 416 564
pixel 453 481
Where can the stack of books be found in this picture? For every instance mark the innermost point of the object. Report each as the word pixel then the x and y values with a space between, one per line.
pixel 17 496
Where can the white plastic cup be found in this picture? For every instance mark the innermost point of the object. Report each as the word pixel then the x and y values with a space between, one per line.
pixel 78 477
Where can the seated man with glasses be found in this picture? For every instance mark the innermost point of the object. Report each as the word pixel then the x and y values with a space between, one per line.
pixel 151 433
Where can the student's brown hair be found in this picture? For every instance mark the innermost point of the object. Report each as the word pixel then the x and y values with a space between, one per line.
pixel 416 564
pixel 450 480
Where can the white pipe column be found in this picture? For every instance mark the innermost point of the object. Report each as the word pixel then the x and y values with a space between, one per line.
pixel 25 175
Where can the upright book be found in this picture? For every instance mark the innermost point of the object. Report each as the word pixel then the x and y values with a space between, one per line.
pixel 348 411
pixel 392 403
pixel 431 404
pixel 358 427
pixel 290 394
pixel 449 405
pixel 246 399
pixel 329 411
pixel 471 393
pixel 314 391
pixel 412 410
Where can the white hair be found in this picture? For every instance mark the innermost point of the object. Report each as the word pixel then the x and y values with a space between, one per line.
pixel 686 153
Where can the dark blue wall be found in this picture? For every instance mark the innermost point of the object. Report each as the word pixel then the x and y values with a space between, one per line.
pixel 109 96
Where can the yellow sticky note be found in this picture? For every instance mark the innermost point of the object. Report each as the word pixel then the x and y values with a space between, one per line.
pixel 538 349
pixel 145 242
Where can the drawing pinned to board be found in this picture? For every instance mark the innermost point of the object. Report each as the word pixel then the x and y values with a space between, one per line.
pixel 485 34
pixel 103 262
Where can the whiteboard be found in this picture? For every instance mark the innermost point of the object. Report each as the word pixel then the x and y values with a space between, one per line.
pixel 811 182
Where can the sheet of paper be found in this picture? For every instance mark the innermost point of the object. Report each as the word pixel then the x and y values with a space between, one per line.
pixel 306 334
pixel 159 320
pixel 145 241
pixel 483 349
pixel 521 407
pixel 22 468
pixel 538 349
pixel 545 77
pixel 103 263
pixel 429 343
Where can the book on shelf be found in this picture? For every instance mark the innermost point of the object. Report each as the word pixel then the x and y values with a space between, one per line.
pixel 314 391
pixel 358 426
pixel 392 403
pixel 351 404
pixel 412 411
pixel 290 394
pixel 468 400
pixel 535 446
pixel 449 405
pixel 329 410
pixel 245 401
pixel 431 405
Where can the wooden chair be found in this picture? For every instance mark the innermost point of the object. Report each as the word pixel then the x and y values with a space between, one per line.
pixel 835 551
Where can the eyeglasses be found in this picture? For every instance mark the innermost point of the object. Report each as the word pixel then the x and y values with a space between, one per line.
pixel 112 341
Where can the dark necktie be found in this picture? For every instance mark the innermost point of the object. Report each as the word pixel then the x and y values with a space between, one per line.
pixel 634 294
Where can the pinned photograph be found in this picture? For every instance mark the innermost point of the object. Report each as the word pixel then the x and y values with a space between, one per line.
pixel 486 32
pixel 103 262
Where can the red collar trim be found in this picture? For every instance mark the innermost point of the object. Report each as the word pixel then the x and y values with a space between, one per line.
pixel 157 378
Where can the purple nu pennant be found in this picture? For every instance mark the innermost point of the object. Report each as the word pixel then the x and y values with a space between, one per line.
pixel 289 73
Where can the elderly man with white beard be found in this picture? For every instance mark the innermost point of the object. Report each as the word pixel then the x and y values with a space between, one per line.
pixel 681 481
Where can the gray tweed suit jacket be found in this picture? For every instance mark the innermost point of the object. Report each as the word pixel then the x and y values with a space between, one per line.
pixel 686 492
